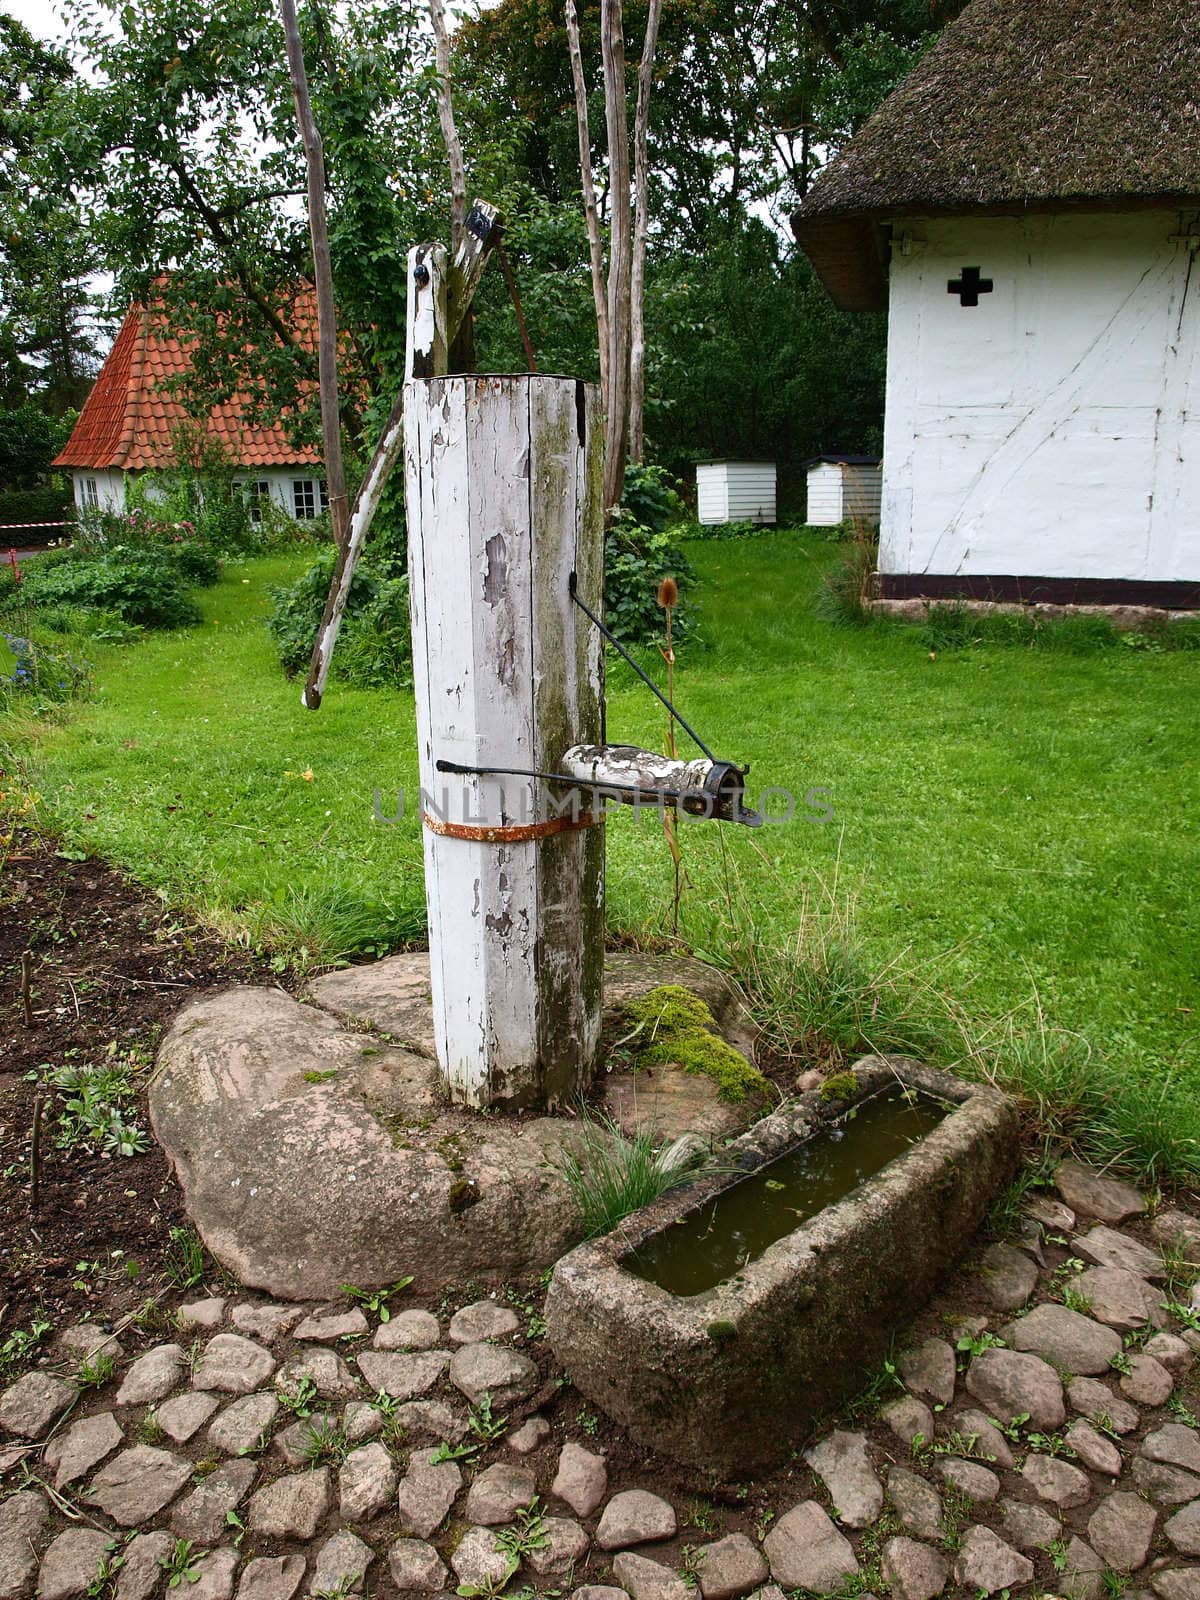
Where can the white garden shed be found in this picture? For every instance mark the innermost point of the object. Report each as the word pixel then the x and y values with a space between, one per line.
pixel 843 489
pixel 735 491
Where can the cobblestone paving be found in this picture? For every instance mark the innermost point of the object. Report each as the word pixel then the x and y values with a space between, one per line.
pixel 264 1451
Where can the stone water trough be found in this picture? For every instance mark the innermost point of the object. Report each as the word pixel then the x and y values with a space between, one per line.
pixel 729 1366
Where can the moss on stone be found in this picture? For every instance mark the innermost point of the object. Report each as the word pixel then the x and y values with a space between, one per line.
pixel 718 1332
pixel 840 1086
pixel 673 1025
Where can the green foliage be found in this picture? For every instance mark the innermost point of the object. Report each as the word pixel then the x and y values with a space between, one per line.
pixel 611 1176
pixel 839 1086
pixel 639 552
pixel 377 1299
pixel 374 649
pixel 179 1563
pixel 330 924
pixel 18 1345
pixel 845 587
pixel 723 530
pixel 670 1024
pixel 135 584
pixel 35 505
pixel 322 1440
pixel 300 1398
pixel 200 500
pixel 184 1264
pixel 29 441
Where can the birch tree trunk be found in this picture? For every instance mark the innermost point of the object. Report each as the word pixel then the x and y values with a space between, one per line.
pixel 620 255
pixel 462 353
pixel 591 210
pixel 637 292
pixel 458 177
pixel 327 334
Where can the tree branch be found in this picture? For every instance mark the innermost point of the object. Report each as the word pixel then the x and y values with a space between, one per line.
pixel 221 236
pixel 590 208
pixel 641 221
pixel 314 153
pixel 620 263
pixel 458 178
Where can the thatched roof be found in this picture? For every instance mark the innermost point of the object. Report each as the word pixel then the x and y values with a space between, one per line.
pixel 1020 105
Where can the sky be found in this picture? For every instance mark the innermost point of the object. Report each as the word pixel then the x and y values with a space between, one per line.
pixel 39 16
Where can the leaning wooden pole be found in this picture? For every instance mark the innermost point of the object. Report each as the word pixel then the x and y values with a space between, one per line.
pixel 327 334
pixel 641 223
pixel 591 209
pixel 620 264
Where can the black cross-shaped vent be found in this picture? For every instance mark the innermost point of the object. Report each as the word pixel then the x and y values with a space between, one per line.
pixel 969 286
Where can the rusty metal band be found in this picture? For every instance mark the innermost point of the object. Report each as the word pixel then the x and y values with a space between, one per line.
pixel 520 833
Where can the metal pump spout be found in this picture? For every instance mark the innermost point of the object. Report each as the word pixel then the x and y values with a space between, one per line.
pixel 702 788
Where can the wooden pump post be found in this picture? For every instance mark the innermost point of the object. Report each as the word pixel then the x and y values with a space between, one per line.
pixel 504 503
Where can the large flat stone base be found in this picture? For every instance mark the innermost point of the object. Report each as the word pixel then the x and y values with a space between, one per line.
pixel 734 1378
pixel 315 1147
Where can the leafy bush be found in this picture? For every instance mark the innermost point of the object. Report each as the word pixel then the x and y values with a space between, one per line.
pixel 35 505
pixel 723 530
pixel 639 552
pixel 650 498
pixel 375 643
pixel 197 564
pixel 136 585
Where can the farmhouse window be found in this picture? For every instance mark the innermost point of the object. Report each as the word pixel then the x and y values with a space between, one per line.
pixel 304 499
pixel 91 494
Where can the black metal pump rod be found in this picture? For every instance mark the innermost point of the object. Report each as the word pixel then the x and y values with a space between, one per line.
pixel 573 588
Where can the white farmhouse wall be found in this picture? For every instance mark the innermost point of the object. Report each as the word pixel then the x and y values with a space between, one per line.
pixel 100 487
pixel 1053 429
pixel 108 491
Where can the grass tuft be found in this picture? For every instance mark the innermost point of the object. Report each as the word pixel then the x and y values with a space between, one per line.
pixel 610 1175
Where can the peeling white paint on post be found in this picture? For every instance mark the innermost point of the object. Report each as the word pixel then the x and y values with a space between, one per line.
pixel 502 480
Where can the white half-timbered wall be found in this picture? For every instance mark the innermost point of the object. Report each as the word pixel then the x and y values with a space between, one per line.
pixel 1053 429
pixel 735 491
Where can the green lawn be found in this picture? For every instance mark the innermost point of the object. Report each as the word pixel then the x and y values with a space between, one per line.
pixel 1024 819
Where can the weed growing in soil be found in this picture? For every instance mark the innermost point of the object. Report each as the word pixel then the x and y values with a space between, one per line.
pixel 300 1400
pixel 483 1424
pixel 93 1108
pixel 528 1534
pixel 180 1564
pixel 184 1265
pixel 103 1585
pixel 377 1299
pixel 324 1441
pixel 22 1342
pixel 95 1371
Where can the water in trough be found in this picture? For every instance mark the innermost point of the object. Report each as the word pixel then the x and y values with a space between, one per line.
pixel 710 1244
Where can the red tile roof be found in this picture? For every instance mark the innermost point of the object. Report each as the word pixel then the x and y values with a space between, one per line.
pixel 130 418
